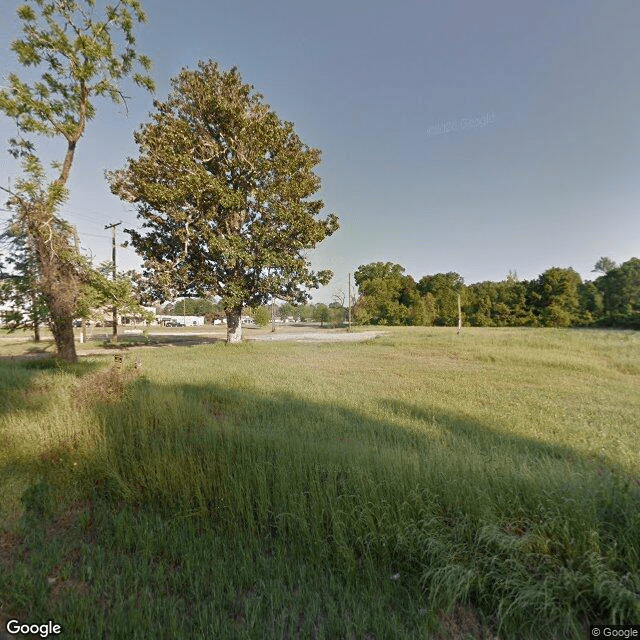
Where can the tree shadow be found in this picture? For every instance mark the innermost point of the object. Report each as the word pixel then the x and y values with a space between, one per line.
pixel 420 492
pixel 18 373
pixel 155 340
pixel 467 465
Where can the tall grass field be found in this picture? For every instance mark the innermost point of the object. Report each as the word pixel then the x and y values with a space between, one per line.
pixel 419 485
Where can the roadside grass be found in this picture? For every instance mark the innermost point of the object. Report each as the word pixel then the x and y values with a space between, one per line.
pixel 365 490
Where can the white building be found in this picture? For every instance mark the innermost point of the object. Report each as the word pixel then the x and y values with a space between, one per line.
pixel 170 320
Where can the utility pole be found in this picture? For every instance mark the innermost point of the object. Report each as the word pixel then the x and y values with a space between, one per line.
pixel 114 330
pixel 349 303
pixel 273 315
pixel 459 316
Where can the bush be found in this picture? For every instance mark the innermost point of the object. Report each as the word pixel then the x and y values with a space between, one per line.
pixel 261 316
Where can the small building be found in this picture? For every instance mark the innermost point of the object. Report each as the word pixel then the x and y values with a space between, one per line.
pixel 180 321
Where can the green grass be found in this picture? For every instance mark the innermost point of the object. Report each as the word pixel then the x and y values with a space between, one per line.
pixel 364 490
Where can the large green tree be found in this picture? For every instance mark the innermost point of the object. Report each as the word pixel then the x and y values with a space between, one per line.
pixel 620 287
pixel 224 190
pixel 82 53
pixel 387 296
pixel 444 287
pixel 555 297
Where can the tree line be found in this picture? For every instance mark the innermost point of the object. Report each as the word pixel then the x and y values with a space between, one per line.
pixel 556 298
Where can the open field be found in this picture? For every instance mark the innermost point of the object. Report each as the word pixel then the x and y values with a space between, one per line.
pixel 416 485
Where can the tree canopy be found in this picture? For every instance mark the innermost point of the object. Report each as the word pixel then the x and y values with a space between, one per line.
pixel 224 190
pixel 83 54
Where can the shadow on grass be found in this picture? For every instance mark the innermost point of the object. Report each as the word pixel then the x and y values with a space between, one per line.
pixel 17 377
pixel 411 514
pixel 153 340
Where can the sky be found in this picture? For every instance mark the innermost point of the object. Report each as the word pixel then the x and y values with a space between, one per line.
pixel 476 137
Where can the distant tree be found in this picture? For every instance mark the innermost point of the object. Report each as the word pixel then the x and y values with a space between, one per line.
pixel 387 296
pixel 513 295
pixel 379 302
pixel 620 288
pixel 193 307
pixel 321 313
pixel 338 307
pixel 261 316
pixel 287 310
pixel 375 270
pixel 444 287
pixel 83 56
pixel 591 302
pixel 337 314
pixel 604 265
pixel 224 190
pixel 480 300
pixel 430 308
pixel 304 312
pixel 339 298
pixel 557 301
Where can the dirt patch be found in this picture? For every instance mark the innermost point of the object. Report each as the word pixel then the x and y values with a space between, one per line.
pixel 64 521
pixel 60 589
pixel 461 624
pixel 9 547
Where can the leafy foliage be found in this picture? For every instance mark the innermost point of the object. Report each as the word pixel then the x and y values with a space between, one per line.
pixel 83 55
pixel 387 296
pixel 100 290
pixel 261 316
pixel 444 287
pixel 224 190
pixel 558 298
pixel 192 307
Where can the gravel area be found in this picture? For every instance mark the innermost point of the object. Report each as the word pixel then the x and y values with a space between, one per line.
pixel 200 337
pixel 318 336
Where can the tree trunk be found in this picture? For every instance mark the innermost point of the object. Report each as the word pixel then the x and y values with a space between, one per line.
pixel 60 287
pixel 114 324
pixel 35 320
pixel 234 325
pixel 62 327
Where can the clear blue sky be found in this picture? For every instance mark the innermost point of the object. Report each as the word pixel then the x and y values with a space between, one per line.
pixel 477 137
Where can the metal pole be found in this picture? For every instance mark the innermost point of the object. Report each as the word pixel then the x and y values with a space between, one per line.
pixel 114 330
pixel 273 315
pixel 349 303
pixel 184 311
